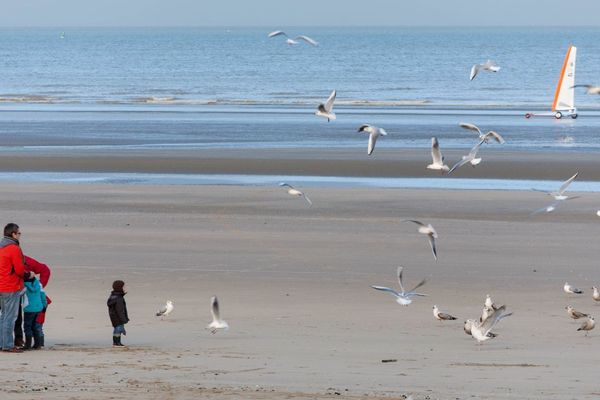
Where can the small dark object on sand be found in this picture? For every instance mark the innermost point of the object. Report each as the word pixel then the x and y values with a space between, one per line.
pixel 389 360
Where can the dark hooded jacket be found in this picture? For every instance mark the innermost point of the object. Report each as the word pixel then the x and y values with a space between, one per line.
pixel 117 309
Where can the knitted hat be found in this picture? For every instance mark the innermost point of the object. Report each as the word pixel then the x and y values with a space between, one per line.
pixel 118 286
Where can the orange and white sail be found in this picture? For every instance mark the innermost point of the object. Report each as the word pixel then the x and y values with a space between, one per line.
pixel 564 97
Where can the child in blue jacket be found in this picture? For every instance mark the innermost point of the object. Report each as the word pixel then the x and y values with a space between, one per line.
pixel 36 302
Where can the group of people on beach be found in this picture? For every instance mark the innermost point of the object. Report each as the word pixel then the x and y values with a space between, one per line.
pixel 23 301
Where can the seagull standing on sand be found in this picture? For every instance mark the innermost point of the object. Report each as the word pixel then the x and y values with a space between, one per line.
pixel 166 310
pixel 295 192
pixel 490 303
pixel 571 290
pixel 403 297
pixel 587 325
pixel 440 316
pixel 480 330
pixel 438 159
pixel 596 294
pixel 374 132
pixel 485 137
pixel 217 323
pixel 326 110
pixel 293 41
pixel 486 313
pixel 591 89
pixel 429 231
pixel 573 313
pixel 469 158
pixel 489 65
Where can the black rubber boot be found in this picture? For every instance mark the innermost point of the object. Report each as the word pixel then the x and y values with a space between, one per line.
pixel 27 343
pixel 117 341
pixel 37 342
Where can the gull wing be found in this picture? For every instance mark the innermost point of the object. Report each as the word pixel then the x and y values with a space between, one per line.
pixel 493 319
pixel 414 221
pixel 436 154
pixel 307 40
pixel 386 289
pixel 307 199
pixel 413 293
pixel 399 273
pixel 459 164
pixel 329 103
pixel 474 71
pixel 475 149
pixel 564 186
pixel 579 314
pixel 585 86
pixel 283 184
pixel 277 33
pixel 162 311
pixel 214 308
pixel 542 191
pixel 446 316
pixel 471 127
pixel 432 244
pixel 372 141
pixel 496 136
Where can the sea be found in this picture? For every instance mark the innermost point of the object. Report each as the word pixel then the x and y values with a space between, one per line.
pixel 119 89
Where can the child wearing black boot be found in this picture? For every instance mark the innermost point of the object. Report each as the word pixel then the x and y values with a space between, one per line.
pixel 117 311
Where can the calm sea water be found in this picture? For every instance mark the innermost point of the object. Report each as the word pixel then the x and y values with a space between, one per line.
pixel 186 88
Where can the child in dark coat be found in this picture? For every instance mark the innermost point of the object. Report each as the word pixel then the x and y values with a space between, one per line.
pixel 117 311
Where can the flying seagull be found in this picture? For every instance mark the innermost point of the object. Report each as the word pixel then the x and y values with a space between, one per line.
pixel 166 310
pixel 480 329
pixel 403 297
pixel 426 230
pixel 217 323
pixel 325 110
pixel 573 313
pixel 295 192
pixel 571 290
pixel 438 159
pixel 293 41
pixel 489 65
pixel 469 158
pixel 374 132
pixel 440 316
pixel 591 89
pixel 587 325
pixel 485 137
pixel 560 194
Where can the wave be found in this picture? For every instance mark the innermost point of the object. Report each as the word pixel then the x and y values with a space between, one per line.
pixel 37 99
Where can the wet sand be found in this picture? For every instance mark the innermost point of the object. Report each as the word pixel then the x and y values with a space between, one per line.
pixel 319 162
pixel 294 285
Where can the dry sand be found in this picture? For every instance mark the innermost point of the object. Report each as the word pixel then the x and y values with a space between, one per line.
pixel 294 285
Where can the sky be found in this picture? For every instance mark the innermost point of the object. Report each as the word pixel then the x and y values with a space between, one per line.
pixel 284 13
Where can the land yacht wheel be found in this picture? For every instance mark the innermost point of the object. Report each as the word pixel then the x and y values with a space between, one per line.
pixel 558 115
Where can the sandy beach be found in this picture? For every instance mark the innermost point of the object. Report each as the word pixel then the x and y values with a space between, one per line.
pixel 294 285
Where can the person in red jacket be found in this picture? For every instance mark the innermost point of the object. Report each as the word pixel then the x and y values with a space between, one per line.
pixel 43 271
pixel 12 274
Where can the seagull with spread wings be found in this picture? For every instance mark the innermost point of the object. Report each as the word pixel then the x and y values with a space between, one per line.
pixel 403 297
